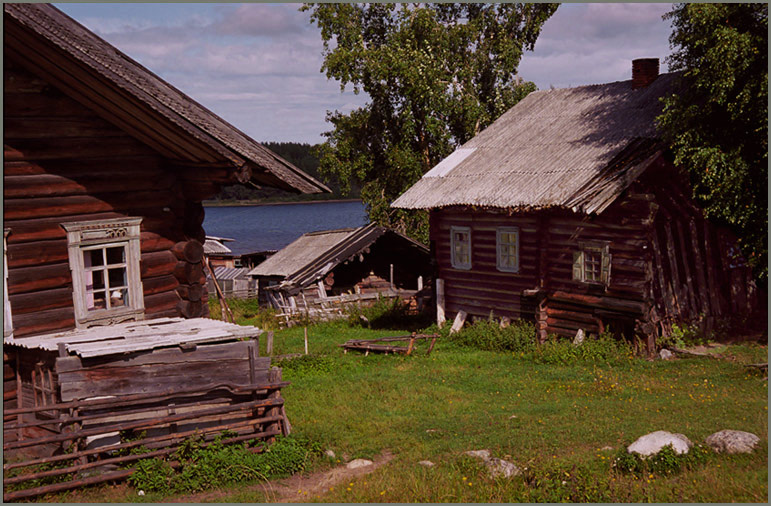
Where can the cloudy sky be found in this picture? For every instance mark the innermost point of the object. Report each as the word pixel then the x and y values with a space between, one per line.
pixel 257 65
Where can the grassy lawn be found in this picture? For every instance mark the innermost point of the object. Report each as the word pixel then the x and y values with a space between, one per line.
pixel 553 420
pixel 556 422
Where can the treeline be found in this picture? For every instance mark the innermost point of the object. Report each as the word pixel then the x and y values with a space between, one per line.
pixel 301 155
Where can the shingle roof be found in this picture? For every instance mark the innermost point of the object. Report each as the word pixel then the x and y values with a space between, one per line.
pixel 313 255
pixel 213 245
pixel 300 252
pixel 80 44
pixel 577 148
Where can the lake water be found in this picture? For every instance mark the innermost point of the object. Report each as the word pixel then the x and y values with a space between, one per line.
pixel 265 227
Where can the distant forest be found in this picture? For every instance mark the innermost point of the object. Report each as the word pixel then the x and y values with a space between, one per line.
pixel 302 157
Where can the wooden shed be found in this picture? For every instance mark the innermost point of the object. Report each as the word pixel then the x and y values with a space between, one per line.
pixel 320 265
pixel 567 210
pixel 105 167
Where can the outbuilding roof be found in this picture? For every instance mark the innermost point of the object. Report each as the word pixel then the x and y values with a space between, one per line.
pixel 123 91
pixel 576 148
pixel 300 252
pixel 314 255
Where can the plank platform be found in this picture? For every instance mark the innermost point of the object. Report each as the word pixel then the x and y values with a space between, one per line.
pixel 135 336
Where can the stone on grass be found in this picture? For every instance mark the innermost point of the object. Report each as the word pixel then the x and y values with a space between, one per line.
pixel 732 441
pixel 426 463
pixel 652 443
pixel 330 454
pixel 579 337
pixel 665 354
pixel 500 467
pixel 478 454
pixel 355 464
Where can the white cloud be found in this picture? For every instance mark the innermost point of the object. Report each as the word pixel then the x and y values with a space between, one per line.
pixel 258 65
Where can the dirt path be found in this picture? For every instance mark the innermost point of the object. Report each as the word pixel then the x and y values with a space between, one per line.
pixel 295 488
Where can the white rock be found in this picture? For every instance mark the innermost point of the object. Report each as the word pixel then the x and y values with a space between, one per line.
pixel 141 492
pixel 665 354
pixel 732 441
pixel 479 454
pixel 579 337
pixel 426 463
pixel 652 443
pixel 500 467
pixel 354 464
pixel 330 454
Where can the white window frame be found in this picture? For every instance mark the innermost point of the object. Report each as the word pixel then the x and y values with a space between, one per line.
pixel 7 313
pixel 101 234
pixel 499 245
pixel 580 258
pixel 456 263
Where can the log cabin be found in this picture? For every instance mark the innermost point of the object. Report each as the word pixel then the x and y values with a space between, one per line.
pixel 318 266
pixel 568 211
pixel 105 168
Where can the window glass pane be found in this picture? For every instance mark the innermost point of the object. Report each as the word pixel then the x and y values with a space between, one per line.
pixel 98 301
pixel 119 298
pixel 116 255
pixel 117 277
pixel 93 258
pixel 97 280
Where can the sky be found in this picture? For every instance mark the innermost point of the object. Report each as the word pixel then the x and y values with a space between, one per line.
pixel 257 65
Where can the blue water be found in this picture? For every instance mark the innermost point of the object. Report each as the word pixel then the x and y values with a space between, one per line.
pixel 259 228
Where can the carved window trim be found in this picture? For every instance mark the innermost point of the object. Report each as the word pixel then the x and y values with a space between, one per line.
pixel 591 263
pixel 7 313
pixel 112 234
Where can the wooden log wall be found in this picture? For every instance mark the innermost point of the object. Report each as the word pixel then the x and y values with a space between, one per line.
pixel 63 163
pixel 547 242
pixel 484 289
pixel 697 276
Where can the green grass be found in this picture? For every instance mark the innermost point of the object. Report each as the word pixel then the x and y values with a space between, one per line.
pixel 552 420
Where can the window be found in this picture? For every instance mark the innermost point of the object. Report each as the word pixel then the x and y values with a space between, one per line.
pixel 104 260
pixel 460 247
pixel 592 263
pixel 7 323
pixel 44 389
pixel 507 249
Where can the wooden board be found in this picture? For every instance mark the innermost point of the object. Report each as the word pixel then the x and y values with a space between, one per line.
pixel 161 370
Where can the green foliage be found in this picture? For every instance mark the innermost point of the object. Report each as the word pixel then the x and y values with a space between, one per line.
pixel 218 464
pixel 603 349
pixel 246 312
pixel 153 475
pixel 717 126
pixel 666 462
pixel 303 157
pixel 436 75
pixel 488 335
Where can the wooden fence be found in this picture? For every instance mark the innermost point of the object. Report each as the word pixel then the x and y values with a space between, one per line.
pixel 106 407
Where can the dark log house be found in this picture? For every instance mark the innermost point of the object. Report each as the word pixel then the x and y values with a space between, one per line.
pixel 105 168
pixel 568 211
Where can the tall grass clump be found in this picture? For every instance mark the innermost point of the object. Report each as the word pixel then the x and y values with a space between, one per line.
pixel 490 336
pixel 602 349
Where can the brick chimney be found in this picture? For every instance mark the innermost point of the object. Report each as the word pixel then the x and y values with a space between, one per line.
pixel 644 72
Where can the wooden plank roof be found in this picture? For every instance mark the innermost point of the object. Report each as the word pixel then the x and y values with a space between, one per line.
pixel 576 148
pixel 126 93
pixel 313 255
pixel 143 335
